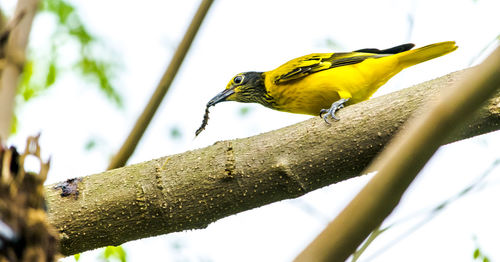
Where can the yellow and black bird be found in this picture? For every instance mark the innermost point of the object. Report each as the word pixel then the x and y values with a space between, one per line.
pixel 322 83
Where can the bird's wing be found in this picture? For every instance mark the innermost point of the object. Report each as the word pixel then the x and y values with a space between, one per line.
pixel 309 64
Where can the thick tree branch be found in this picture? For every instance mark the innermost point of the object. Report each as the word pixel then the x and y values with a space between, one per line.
pixel 14 60
pixel 400 163
pixel 135 135
pixel 193 189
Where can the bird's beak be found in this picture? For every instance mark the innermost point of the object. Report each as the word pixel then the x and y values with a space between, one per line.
pixel 221 97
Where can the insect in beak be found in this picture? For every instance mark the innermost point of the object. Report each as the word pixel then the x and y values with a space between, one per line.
pixel 220 97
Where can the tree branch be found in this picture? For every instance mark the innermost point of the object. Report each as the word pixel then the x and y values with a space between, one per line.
pixel 135 135
pixel 193 189
pixel 400 163
pixel 14 60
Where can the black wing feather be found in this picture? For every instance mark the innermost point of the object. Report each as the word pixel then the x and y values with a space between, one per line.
pixel 388 51
pixel 336 61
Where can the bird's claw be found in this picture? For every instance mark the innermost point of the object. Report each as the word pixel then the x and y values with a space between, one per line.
pixel 331 111
pixel 327 113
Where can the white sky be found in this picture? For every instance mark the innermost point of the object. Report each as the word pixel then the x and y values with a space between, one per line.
pixel 260 35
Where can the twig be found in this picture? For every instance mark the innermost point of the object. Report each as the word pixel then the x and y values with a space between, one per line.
pixel 128 147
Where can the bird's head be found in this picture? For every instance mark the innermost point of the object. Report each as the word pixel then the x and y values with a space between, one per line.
pixel 245 87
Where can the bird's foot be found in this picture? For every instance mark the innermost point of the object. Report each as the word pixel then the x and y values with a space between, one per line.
pixel 334 108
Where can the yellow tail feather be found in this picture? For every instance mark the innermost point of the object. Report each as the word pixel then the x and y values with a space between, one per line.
pixel 425 53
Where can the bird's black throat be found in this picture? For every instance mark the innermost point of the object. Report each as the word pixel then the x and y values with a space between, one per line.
pixel 255 90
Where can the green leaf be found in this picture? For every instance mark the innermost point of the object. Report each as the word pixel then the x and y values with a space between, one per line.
pixel 31 83
pixel 115 252
pixel 62 9
pixel 29 92
pixel 14 125
pixel 107 252
pixel 51 75
pixel 122 255
pixel 77 256
pixel 99 72
pixel 81 34
pixel 476 253
pixel 486 259
pixel 27 73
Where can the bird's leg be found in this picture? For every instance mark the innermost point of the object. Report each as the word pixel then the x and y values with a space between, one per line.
pixel 331 112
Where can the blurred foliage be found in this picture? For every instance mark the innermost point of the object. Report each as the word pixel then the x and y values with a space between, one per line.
pixel 90 144
pixel 96 142
pixel 32 85
pixel 175 132
pixel 92 62
pixel 112 253
pixel 478 254
pixel 330 43
pixel 244 111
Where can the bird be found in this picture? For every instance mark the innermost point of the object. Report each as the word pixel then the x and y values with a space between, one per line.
pixel 322 83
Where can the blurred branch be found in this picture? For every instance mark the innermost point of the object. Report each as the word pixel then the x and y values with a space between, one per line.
pixel 14 59
pixel 494 42
pixel 400 163
pixel 195 188
pixel 428 214
pixel 128 147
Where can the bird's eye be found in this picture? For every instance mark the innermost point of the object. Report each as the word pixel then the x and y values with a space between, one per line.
pixel 238 80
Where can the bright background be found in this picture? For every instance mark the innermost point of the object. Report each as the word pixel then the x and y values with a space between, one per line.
pixel 260 35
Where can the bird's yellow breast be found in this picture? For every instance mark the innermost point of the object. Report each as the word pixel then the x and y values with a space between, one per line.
pixel 317 91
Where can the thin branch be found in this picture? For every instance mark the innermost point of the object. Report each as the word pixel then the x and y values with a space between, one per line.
pixel 14 57
pixel 400 163
pixel 373 235
pixel 128 147
pixel 195 188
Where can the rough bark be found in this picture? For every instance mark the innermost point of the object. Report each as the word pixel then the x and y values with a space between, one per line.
pixel 193 189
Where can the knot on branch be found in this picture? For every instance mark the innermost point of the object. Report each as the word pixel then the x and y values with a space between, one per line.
pixel 284 168
pixel 229 169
